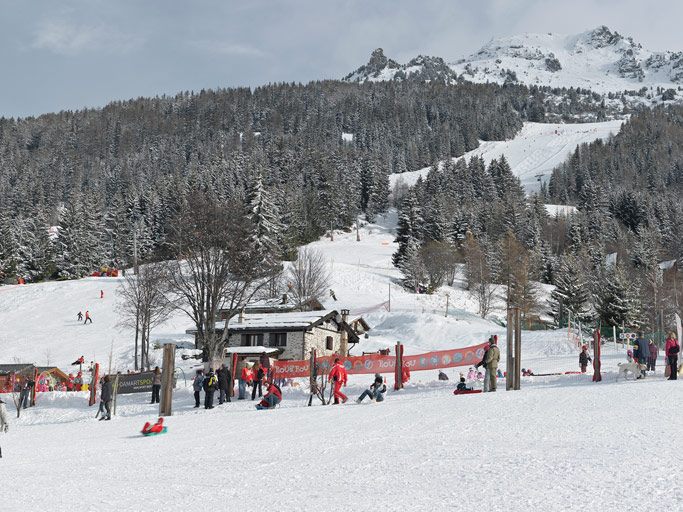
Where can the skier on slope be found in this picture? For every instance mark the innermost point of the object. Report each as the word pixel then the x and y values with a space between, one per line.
pixel 584 358
pixel 87 317
pixel 339 377
pixel 4 420
pixel 79 317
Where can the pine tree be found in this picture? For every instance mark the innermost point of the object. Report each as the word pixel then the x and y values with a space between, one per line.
pixel 409 228
pixel 618 302
pixel 571 293
pixel 265 230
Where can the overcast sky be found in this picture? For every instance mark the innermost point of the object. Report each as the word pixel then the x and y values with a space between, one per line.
pixel 68 54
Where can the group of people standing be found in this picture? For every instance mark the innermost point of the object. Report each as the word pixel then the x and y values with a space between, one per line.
pixel 646 353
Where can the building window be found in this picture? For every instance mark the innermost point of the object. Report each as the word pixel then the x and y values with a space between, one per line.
pixel 329 343
pixel 278 339
pixel 252 340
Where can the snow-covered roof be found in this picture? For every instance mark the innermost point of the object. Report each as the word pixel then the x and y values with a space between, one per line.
pixel 270 321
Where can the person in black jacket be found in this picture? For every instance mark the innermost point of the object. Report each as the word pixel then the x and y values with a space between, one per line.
pixel 224 379
pixel 462 386
pixel 375 391
pixel 210 385
pixel 106 396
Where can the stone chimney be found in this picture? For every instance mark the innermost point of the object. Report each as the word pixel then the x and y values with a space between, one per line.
pixel 344 347
pixel 285 299
pixel 240 317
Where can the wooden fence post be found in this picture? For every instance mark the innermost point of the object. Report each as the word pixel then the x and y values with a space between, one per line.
pixel 93 385
pixel 509 367
pixel 597 377
pixel 398 367
pixel 166 403
pixel 116 392
pixel 517 342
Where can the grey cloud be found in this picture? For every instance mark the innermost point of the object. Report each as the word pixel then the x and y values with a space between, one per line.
pixel 89 52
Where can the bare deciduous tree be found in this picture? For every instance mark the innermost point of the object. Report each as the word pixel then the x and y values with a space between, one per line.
pixel 145 305
pixel 309 276
pixel 214 269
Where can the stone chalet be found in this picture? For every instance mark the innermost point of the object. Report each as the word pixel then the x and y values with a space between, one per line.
pixel 295 333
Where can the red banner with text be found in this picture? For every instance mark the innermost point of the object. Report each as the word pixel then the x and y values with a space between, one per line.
pixel 376 363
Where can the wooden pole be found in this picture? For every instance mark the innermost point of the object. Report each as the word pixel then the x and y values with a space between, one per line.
pixel 312 380
pixel 509 366
pixel 447 297
pixel 93 384
pixel 398 367
pixel 166 403
pixel 116 392
pixel 518 347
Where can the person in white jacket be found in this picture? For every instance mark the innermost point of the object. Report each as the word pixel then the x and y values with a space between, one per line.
pixel 4 420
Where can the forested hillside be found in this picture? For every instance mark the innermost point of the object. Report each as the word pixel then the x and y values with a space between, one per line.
pixel 627 191
pixel 324 151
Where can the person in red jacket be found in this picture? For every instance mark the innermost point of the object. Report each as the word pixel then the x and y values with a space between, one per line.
pixel 671 349
pixel 157 428
pixel 338 377
pixel 272 397
pixel 405 374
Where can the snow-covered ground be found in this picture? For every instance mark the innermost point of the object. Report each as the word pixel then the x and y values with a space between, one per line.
pixel 536 150
pixel 578 446
pixel 561 443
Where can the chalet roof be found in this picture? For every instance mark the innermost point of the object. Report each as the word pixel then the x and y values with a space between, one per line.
pixel 271 321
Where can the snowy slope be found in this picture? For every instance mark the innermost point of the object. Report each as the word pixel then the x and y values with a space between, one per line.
pixel 536 150
pixel 551 449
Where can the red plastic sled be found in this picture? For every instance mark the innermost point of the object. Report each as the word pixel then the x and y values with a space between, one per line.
pixel 466 392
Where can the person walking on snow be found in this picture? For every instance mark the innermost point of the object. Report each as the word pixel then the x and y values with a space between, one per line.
pixel 375 391
pixel 198 385
pixel 584 358
pixel 224 379
pixel 79 317
pixel 671 349
pixel 338 376
pixel 101 294
pixel 87 317
pixel 106 396
pixel 156 386
pixel 4 421
pixel 653 350
pixel 491 363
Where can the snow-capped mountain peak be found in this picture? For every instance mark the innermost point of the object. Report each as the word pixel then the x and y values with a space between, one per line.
pixel 600 59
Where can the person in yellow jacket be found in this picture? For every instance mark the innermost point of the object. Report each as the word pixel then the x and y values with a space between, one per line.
pixel 491 362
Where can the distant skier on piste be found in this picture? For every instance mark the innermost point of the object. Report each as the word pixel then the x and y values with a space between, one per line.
pixel 79 317
pixel 338 377
pixel 87 317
